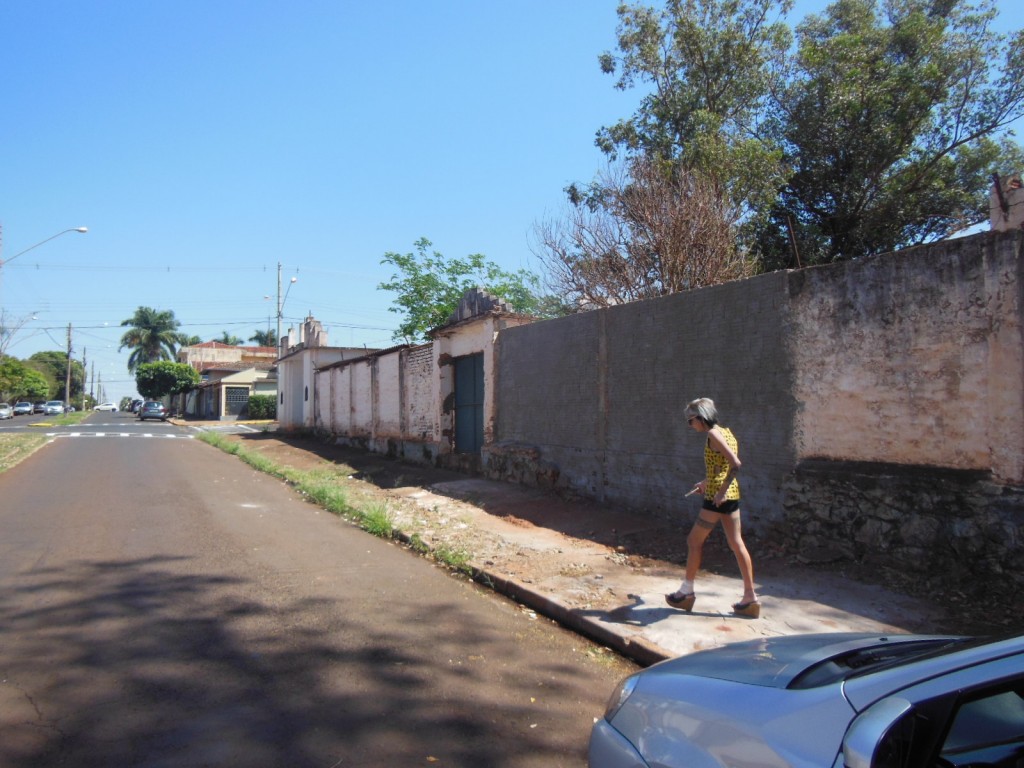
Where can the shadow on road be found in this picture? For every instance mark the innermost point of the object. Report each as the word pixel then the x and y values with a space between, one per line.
pixel 147 663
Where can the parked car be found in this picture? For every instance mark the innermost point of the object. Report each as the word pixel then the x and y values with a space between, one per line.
pixel 153 410
pixel 23 409
pixel 840 700
pixel 6 411
pixel 39 408
pixel 136 404
pixel 54 407
pixel 105 407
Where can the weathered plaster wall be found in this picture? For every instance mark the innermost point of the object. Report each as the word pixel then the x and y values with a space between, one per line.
pixel 388 421
pixel 913 358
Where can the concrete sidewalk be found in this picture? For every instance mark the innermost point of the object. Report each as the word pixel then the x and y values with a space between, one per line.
pixel 602 592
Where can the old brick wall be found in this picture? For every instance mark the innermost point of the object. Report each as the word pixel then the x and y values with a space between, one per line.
pixel 420 411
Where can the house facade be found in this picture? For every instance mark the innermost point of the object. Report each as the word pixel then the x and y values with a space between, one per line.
pixel 229 376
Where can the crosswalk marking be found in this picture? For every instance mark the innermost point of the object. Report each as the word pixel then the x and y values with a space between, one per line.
pixel 120 434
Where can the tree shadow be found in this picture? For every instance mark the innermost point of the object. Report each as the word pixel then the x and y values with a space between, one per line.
pixel 150 663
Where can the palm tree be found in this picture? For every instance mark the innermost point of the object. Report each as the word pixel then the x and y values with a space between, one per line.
pixel 153 336
pixel 229 338
pixel 266 338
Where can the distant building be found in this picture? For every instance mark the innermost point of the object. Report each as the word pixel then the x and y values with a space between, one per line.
pixel 230 375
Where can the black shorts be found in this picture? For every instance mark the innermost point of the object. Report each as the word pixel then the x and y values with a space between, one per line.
pixel 727 508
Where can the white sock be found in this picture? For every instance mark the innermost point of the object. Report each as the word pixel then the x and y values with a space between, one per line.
pixel 686 587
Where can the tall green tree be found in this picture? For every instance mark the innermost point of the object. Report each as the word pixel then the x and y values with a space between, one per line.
pixel 50 366
pixel 429 286
pixel 21 382
pixel 709 67
pixel 153 336
pixel 890 123
pixel 157 379
pixel 53 365
pixel 879 129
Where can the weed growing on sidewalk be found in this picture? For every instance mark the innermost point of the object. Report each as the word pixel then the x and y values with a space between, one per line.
pixel 377 519
pixel 456 559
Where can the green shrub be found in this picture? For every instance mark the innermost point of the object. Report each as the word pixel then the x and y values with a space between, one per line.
pixel 262 407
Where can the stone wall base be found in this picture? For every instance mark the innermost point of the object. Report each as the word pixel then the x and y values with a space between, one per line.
pixel 952 529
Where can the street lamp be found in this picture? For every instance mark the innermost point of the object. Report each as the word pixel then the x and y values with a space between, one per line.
pixel 280 304
pixel 3 261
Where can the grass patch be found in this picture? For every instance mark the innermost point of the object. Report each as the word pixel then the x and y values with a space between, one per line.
pixel 70 419
pixel 456 559
pixel 378 520
pixel 16 447
pixel 63 420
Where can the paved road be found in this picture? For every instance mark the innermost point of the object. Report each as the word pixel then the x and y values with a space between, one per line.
pixel 163 605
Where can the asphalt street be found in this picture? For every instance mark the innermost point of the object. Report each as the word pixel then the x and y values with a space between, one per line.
pixel 162 604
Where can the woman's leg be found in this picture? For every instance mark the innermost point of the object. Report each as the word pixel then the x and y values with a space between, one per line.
pixel 733 534
pixel 702 528
pixel 684 596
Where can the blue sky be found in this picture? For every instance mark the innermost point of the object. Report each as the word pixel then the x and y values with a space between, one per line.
pixel 203 142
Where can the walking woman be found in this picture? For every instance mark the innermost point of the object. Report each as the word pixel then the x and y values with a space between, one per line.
pixel 721 491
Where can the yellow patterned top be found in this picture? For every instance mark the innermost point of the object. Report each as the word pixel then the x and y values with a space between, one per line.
pixel 718 467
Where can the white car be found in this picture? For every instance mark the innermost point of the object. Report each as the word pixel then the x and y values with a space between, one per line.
pixel 6 412
pixel 105 407
pixel 845 700
pixel 54 407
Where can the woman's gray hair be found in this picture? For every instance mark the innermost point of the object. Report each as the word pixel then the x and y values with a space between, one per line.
pixel 704 409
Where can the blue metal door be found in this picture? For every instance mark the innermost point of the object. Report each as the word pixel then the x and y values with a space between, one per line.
pixel 469 403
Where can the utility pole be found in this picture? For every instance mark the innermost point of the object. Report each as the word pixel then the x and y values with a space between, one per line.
pixel 85 368
pixel 67 384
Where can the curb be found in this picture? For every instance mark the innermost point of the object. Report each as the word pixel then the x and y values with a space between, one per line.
pixel 637 649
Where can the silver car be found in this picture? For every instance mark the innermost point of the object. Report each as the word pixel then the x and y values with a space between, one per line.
pixel 6 411
pixel 846 700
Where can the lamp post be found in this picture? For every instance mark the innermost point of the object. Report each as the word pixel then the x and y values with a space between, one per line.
pixel 4 262
pixel 280 304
